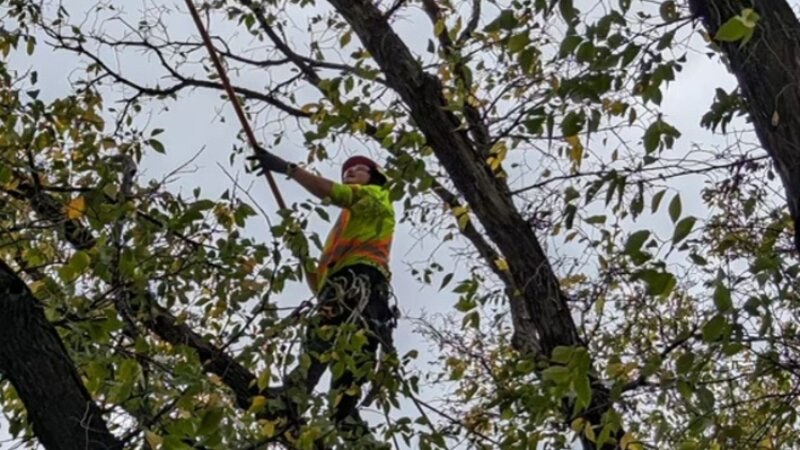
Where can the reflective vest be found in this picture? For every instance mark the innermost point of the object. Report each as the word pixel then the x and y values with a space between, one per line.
pixel 362 233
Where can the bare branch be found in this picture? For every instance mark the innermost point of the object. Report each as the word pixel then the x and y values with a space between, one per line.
pixel 472 24
pixel 75 45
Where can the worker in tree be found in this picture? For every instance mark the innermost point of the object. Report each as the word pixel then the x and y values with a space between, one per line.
pixel 353 315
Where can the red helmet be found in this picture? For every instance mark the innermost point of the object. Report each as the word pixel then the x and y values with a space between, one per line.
pixel 376 171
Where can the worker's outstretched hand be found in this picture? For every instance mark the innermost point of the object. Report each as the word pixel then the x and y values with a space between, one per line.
pixel 267 162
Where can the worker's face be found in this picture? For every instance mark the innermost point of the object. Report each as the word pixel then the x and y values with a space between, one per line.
pixel 357 174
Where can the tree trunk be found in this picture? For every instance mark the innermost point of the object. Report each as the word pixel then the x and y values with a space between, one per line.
pixel 767 68
pixel 33 358
pixel 542 319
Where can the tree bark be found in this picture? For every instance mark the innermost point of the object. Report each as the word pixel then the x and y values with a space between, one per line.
pixel 767 68
pixel 33 358
pixel 239 379
pixel 541 317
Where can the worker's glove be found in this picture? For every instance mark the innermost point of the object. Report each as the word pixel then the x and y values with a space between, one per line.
pixel 267 162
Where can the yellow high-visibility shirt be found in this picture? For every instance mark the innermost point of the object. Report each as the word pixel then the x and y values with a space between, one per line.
pixel 362 234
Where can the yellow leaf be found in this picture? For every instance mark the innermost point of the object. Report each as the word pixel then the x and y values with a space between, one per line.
pixel 353 391
pixel 474 101
pixel 76 208
pixel 578 424
pixel 263 380
pixel 36 286
pixel 309 107
pixel 497 154
pixel 249 264
pixel 629 442
pixel 554 82
pixel 11 184
pixel 616 108
pixel 463 221
pixel 588 430
pixel 268 428
pixel 501 264
pixel 462 216
pixel 108 143
pixel 258 403
pixel 576 151
pixel 153 439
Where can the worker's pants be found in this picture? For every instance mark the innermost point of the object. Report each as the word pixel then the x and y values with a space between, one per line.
pixel 353 317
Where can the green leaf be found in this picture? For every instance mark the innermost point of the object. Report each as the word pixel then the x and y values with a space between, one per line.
pixel 651 138
pixel 562 354
pixel 668 11
pixel 210 422
pixel 128 371
pixel 683 228
pixel 657 200
pixel 505 21
pixel 594 220
pixel 569 44
pixel 635 241
pixel 732 30
pixel 567 9
pixel 572 123
pixel 629 54
pixel 705 398
pixel 675 208
pixel 732 348
pixel 345 39
pixel 558 374
pixel 518 42
pixel 713 329
pixel 79 262
pixel 446 280
pixel 684 363
pixel 658 283
pixel 722 298
pixel 583 390
pixel 465 304
pixel 585 52
pixel 174 443
pixel 157 145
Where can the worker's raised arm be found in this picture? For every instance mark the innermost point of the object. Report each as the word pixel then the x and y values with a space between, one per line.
pixel 357 173
pixel 316 185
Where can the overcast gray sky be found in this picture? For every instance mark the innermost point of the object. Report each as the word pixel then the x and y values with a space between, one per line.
pixel 191 125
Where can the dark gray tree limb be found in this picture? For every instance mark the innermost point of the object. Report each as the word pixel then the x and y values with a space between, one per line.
pixel 542 319
pixel 33 358
pixel 766 68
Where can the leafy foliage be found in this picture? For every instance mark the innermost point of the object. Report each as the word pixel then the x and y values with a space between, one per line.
pixel 685 297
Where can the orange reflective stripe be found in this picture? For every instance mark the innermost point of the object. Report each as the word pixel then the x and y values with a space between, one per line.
pixel 377 251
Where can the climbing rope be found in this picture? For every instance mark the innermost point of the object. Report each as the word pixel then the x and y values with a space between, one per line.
pixel 226 83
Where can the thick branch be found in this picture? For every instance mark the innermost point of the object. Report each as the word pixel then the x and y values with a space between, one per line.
pixel 537 304
pixel 478 128
pixel 63 414
pixel 485 249
pixel 767 68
